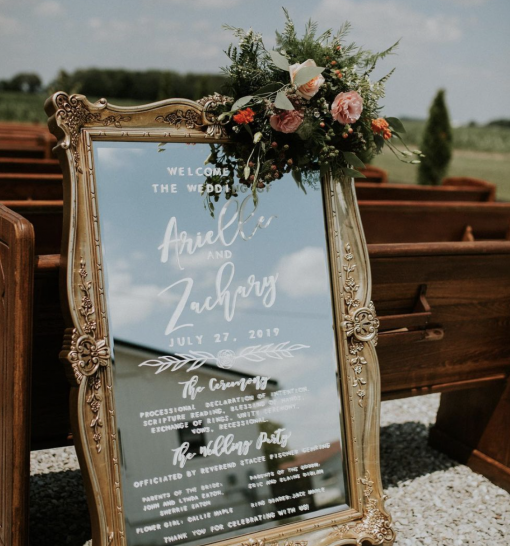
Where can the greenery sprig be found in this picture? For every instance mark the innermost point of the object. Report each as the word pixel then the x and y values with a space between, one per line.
pixel 308 107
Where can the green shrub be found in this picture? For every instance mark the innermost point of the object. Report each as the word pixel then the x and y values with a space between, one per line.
pixel 436 143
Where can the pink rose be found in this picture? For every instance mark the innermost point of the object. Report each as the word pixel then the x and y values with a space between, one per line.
pixel 308 89
pixel 287 121
pixel 347 107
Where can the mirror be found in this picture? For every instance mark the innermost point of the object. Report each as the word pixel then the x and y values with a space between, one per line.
pixel 225 386
pixel 223 344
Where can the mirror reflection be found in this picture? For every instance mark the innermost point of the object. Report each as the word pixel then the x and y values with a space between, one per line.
pixel 225 381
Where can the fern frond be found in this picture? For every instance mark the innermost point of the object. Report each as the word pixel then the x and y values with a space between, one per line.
pixel 384 79
pixel 373 58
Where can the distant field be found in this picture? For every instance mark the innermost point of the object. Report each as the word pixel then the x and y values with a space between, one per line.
pixel 30 108
pixel 480 152
pixel 482 139
pixel 493 167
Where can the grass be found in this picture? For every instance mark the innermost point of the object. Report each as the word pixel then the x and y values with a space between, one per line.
pixel 493 167
pixel 479 138
pixel 480 152
pixel 23 107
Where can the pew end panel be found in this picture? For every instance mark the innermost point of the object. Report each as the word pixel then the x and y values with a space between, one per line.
pixel 16 287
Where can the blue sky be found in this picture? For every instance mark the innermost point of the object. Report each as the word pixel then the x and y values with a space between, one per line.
pixel 461 45
pixel 141 305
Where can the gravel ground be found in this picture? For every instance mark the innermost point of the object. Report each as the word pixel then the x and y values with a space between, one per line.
pixel 432 499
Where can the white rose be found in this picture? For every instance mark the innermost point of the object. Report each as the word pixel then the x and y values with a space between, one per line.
pixel 308 89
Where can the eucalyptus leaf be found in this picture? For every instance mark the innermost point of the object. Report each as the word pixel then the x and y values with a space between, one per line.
pixel 239 103
pixel 283 102
pixel 379 142
pixel 324 170
pixel 353 173
pixel 248 128
pixel 307 73
pixel 354 160
pixel 279 60
pixel 296 175
pixel 396 124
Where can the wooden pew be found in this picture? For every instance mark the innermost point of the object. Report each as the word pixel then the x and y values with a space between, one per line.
pixel 13 165
pixel 13 149
pixel 465 181
pixel 16 285
pixel 50 413
pixel 415 222
pixel 373 174
pixel 444 310
pixel 46 217
pixel 17 140
pixel 30 186
pixel 369 191
pixel 383 222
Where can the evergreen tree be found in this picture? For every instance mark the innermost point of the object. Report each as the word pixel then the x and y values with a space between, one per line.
pixel 436 143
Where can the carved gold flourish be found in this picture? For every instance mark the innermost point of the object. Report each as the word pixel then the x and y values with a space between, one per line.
pixel 215 128
pixel 360 324
pixel 263 542
pixel 375 526
pixel 88 354
pixel 74 114
pixel 191 119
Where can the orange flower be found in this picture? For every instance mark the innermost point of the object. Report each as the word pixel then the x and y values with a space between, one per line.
pixel 244 116
pixel 380 125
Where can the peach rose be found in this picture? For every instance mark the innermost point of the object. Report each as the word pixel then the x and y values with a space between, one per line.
pixel 308 89
pixel 347 107
pixel 287 121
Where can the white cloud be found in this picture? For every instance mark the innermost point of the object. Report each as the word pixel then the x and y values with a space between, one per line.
pixel 195 262
pixel 203 4
pixel 132 303
pixel 116 31
pixel 9 26
pixel 392 19
pixel 303 273
pixel 114 158
pixel 469 3
pixel 49 8
pixel 311 426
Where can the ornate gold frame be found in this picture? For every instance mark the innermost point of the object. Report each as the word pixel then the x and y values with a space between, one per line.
pixel 76 123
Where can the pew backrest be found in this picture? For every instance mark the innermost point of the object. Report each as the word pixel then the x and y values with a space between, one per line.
pixel 369 191
pixel 415 222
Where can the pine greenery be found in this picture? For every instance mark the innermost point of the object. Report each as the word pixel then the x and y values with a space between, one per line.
pixel 436 143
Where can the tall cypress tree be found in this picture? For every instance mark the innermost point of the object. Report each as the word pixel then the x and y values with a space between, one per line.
pixel 436 143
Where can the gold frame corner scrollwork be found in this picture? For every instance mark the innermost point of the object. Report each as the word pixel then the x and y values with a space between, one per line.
pixel 86 351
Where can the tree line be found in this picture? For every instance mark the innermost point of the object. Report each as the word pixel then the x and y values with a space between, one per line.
pixel 143 85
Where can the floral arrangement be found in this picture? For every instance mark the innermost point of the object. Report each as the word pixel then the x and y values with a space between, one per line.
pixel 308 107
